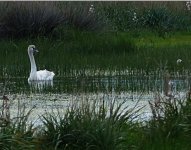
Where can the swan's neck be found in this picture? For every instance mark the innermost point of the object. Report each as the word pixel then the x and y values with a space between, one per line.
pixel 33 64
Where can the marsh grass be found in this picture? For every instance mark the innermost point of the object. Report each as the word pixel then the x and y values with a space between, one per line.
pixel 88 125
pixel 164 130
pixel 84 59
pixel 102 124
pixel 113 50
pixel 15 132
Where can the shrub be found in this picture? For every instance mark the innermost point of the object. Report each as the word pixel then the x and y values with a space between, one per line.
pixel 159 19
pixel 82 16
pixel 21 19
pixel 121 18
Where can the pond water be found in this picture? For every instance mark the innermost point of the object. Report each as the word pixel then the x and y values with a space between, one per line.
pixel 103 82
pixel 75 84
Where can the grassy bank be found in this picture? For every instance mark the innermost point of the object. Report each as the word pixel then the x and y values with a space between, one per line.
pixel 143 50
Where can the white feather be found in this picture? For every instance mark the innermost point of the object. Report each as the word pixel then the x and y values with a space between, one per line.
pixel 41 75
pixel 45 75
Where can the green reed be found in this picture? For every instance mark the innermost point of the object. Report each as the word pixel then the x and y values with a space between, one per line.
pixel 80 50
pixel 16 133
pixel 102 124
pixel 86 59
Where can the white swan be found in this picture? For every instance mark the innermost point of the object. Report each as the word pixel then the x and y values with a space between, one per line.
pixel 41 75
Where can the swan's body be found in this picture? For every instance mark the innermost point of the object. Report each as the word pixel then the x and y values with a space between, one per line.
pixel 41 75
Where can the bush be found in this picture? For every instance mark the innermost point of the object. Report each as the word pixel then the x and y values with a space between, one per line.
pixel 121 18
pixel 21 19
pixel 82 17
pixel 159 19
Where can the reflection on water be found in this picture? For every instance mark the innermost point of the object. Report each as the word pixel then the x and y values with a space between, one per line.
pixel 75 83
pixel 40 85
pixel 87 84
pixel 47 96
pixel 54 103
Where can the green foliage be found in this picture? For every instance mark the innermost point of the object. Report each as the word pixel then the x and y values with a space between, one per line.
pixel 166 124
pixel 88 127
pixel 17 134
pixel 82 17
pixel 101 44
pixel 26 19
pixel 160 19
pixel 100 125
pixel 121 18
pixel 186 117
pixel 157 18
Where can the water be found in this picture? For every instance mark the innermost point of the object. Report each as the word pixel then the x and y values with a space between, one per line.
pixel 87 83
pixel 74 83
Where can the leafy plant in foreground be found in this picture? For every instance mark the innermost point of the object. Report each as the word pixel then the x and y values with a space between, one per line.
pixel 88 126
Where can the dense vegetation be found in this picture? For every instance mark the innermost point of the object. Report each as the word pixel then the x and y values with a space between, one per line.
pixel 138 35
pixel 145 35
pixel 101 125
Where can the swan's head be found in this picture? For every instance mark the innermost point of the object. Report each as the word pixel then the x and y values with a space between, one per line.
pixel 32 49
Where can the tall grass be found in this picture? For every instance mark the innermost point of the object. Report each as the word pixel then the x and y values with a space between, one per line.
pixel 164 130
pixel 90 125
pixel 16 133
pixel 104 125
pixel 79 50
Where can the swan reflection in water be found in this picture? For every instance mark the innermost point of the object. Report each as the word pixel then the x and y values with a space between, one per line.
pixel 41 84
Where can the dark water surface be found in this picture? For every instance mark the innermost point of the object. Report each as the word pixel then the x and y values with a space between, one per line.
pixel 92 83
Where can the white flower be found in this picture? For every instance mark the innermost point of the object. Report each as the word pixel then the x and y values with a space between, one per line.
pixel 91 9
pixel 134 16
pixel 179 61
pixel 188 5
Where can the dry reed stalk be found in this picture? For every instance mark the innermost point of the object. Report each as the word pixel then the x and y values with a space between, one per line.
pixel 5 113
pixel 167 85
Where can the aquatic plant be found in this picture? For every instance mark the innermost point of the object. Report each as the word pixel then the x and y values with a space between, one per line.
pixel 16 132
pixel 165 126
